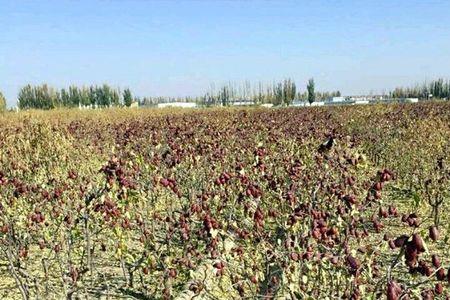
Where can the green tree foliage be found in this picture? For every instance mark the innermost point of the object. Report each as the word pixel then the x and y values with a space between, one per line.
pixel 311 93
pixel 127 97
pixel 259 94
pixel 41 97
pixel 45 97
pixel 64 96
pixel 289 91
pixel 278 94
pixel 115 98
pixel 439 89
pixel 224 95
pixel 2 102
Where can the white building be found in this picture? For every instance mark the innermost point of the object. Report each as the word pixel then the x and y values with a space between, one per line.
pixel 297 103
pixel 360 102
pixel 267 105
pixel 135 104
pixel 337 99
pixel 177 104
pixel 243 103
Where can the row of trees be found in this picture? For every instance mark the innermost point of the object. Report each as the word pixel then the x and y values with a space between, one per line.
pixel 277 93
pixel 439 88
pixel 152 101
pixel 45 97
pixel 2 102
pixel 280 93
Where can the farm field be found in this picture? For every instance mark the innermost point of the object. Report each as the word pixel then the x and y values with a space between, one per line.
pixel 309 203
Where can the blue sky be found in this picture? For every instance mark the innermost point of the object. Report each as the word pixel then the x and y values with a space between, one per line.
pixel 180 47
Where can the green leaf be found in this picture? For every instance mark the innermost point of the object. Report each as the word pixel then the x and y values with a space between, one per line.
pixel 416 199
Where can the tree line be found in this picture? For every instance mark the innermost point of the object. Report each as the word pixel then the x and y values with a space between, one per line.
pixel 278 93
pixel 439 89
pixel 284 92
pixel 46 97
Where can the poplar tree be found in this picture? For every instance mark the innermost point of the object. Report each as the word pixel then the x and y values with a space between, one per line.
pixel 2 102
pixel 127 97
pixel 311 93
